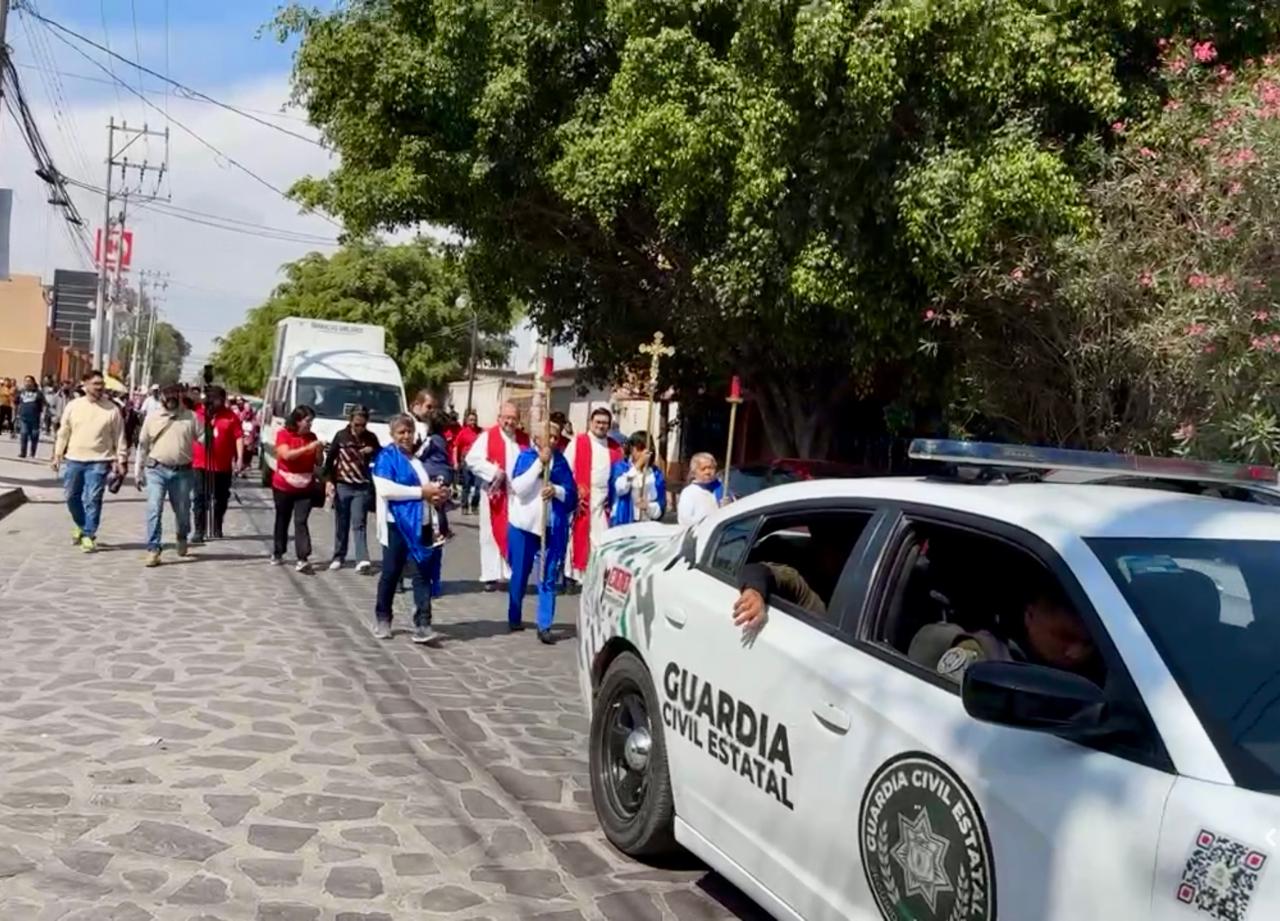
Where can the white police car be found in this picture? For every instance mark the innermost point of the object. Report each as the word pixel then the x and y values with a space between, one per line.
pixel 830 775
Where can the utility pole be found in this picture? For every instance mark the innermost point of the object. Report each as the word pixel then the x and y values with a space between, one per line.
pixel 117 158
pixel 161 282
pixel 117 298
pixel 4 32
pixel 464 301
pixel 135 341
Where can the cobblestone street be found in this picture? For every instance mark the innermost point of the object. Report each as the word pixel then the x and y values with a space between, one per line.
pixel 220 739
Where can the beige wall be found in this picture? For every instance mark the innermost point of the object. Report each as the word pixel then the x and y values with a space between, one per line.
pixel 23 326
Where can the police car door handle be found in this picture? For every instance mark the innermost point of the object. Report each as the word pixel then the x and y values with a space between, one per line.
pixel 832 717
pixel 676 616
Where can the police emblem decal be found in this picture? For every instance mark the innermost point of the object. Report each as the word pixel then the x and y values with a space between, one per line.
pixel 925 848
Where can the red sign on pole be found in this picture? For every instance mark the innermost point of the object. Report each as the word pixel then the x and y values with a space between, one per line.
pixel 119 243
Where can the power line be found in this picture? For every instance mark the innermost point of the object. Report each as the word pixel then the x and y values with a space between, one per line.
pixel 137 43
pixel 228 158
pixel 40 49
pixel 182 88
pixel 102 6
pixel 103 81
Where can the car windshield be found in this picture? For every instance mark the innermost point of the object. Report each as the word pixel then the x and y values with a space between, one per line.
pixel 334 399
pixel 1212 609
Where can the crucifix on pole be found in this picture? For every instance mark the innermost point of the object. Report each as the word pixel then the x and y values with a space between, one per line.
pixel 656 351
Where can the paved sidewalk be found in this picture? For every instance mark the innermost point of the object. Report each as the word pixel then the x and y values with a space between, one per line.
pixel 221 739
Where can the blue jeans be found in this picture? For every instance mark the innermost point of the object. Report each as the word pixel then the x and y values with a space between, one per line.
pixel 176 485
pixel 351 505
pixel 470 490
pixel 395 557
pixel 523 547
pixel 84 484
pixel 28 437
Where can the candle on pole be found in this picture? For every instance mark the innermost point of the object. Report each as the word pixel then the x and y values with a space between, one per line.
pixel 655 351
pixel 734 400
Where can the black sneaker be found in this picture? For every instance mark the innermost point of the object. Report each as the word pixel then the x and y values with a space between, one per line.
pixel 491 586
pixel 197 538
pixel 217 533
pixel 544 636
pixel 515 628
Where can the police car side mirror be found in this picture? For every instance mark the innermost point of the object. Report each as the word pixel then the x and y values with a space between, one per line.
pixel 1033 697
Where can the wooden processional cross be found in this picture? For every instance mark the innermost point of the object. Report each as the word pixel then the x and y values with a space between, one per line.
pixel 656 351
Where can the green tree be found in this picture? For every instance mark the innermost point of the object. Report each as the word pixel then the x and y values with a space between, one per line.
pixel 778 186
pixel 1158 328
pixel 169 349
pixel 412 290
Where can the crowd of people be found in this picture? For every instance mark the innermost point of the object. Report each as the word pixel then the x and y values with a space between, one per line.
pixel 541 501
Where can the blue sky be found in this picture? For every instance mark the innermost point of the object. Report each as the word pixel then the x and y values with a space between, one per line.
pixel 213 47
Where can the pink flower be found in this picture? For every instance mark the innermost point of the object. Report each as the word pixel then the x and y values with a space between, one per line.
pixel 1275 338
pixel 1204 52
pixel 1172 105
pixel 1017 274
pixel 1224 74
pixel 1200 142
pixel 1185 432
pixel 1162 43
pixel 1235 188
pixel 1268 60
pixel 1196 329
pixel 1196 280
pixel 1259 344
pixel 1209 348
pixel 1261 316
pixel 929 315
pixel 1145 279
pixel 1268 92
pixel 1117 127
pixel 1226 231
pixel 1148 153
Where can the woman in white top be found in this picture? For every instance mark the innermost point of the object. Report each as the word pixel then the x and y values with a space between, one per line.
pixel 405 494
pixel 705 492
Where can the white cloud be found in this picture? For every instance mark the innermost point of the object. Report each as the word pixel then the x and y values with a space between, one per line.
pixel 217 275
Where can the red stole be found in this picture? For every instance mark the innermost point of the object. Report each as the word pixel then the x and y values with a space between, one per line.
pixel 582 452
pixel 496 451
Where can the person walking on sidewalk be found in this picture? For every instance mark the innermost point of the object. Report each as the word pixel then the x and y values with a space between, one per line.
pixel 166 444
pixel 530 501
pixel 293 485
pixel 349 484
pixel 7 391
pixel 215 472
pixel 405 494
pixel 30 409
pixel 91 441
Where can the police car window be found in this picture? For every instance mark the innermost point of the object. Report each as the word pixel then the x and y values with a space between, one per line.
pixel 957 596
pixel 1212 610
pixel 801 555
pixel 732 543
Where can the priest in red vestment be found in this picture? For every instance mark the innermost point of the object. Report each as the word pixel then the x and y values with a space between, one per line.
pixel 492 459
pixel 591 455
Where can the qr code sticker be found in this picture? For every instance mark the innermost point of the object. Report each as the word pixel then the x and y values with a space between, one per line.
pixel 1220 876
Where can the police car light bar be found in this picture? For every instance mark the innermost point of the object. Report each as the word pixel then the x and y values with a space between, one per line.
pixel 986 454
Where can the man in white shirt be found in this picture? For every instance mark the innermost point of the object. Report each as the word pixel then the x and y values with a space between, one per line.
pixel 152 401
pixel 592 454
pixel 492 459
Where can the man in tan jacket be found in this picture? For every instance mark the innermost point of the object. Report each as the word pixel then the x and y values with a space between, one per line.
pixel 165 446
pixel 92 444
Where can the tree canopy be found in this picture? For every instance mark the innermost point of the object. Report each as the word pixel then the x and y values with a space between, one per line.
pixel 412 290
pixel 780 187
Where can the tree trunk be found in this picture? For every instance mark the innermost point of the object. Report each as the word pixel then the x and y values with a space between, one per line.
pixel 794 425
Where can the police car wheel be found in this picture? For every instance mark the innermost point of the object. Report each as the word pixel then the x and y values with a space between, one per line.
pixel 629 780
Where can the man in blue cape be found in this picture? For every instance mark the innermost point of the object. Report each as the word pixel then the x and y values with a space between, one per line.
pixel 637 489
pixel 529 501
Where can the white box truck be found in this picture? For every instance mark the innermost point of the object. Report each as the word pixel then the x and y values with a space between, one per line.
pixel 333 368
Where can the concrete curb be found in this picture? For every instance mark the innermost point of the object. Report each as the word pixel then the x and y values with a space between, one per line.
pixel 10 499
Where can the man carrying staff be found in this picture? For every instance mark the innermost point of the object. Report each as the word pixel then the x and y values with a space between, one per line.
pixel 493 459
pixel 530 500
pixel 593 454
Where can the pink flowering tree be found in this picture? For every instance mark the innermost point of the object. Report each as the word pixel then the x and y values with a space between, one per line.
pixel 1157 329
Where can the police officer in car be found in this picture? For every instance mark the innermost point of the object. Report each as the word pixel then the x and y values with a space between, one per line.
pixel 1051 633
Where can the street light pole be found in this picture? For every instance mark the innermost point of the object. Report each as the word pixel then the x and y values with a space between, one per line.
pixel 100 311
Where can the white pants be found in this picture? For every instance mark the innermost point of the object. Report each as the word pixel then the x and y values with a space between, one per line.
pixel 493 568
pixel 599 524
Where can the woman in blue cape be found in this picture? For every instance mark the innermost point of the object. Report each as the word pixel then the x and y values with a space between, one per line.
pixel 637 489
pixel 405 492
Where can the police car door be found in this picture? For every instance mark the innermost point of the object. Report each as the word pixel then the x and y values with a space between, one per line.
pixel 961 819
pixel 750 722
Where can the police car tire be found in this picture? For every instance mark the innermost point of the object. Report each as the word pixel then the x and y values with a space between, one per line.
pixel 650 832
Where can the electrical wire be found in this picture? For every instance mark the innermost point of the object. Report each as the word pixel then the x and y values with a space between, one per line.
pixel 102 7
pixel 43 53
pixel 227 157
pixel 137 43
pixel 182 88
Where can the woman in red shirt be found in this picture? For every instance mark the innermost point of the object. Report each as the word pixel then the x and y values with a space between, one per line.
pixel 293 485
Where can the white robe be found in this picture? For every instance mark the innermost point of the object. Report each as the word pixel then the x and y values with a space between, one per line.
pixel 493 568
pixel 695 504
pixel 600 465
